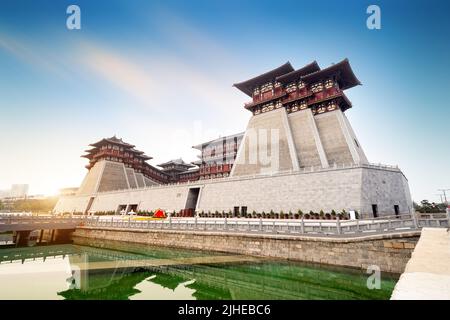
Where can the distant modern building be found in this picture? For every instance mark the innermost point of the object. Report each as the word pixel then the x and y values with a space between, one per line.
pixel 299 152
pixel 4 194
pixel 16 191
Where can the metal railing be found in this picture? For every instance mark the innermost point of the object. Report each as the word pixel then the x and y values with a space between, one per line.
pixel 291 227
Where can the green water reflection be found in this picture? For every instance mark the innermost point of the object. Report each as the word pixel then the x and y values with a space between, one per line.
pixel 143 272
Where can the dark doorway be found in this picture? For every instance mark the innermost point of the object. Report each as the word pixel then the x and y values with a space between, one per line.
pixel 192 198
pixel 397 210
pixel 132 207
pixel 120 208
pixel 375 210
pixel 235 211
pixel 244 211
pixel 91 200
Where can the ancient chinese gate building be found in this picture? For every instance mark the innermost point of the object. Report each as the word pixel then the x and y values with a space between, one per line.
pixel 299 151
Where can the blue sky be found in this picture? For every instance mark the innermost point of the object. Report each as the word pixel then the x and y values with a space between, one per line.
pixel 159 74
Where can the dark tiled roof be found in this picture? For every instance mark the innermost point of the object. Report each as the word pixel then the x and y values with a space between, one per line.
pixel 248 85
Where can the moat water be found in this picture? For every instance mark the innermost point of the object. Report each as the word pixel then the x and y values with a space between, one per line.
pixel 142 272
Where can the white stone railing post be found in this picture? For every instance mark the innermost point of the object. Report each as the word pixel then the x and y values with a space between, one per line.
pixel 170 222
pixel 195 222
pixel 416 223
pixel 260 225
pixel 225 224
pixel 448 216
pixel 338 225
pixel 303 225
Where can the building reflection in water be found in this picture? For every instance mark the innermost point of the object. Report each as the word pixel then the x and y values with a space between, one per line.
pixel 128 271
pixel 144 272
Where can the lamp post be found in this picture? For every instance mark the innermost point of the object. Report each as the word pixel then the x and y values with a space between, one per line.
pixel 445 195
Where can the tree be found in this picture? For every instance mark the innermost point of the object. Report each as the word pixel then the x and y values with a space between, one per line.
pixel 35 205
pixel 427 207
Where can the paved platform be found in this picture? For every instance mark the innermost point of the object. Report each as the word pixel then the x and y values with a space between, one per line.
pixel 427 274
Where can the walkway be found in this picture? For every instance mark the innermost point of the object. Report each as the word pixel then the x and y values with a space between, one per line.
pixel 427 274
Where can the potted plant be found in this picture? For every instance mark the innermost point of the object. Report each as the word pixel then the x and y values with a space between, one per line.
pixel 333 214
pixel 281 214
pixel 272 214
pixel 321 214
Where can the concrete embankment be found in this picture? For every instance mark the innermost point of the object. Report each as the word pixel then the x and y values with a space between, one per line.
pixel 390 252
pixel 427 274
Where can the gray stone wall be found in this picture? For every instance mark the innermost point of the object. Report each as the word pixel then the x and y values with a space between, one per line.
pixel 140 180
pixel 90 182
pixel 71 204
pixel 322 190
pixel 113 177
pixel 302 131
pixel 333 139
pixel 131 178
pixel 149 182
pixel 250 147
pixel 385 189
pixel 353 188
pixel 389 252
